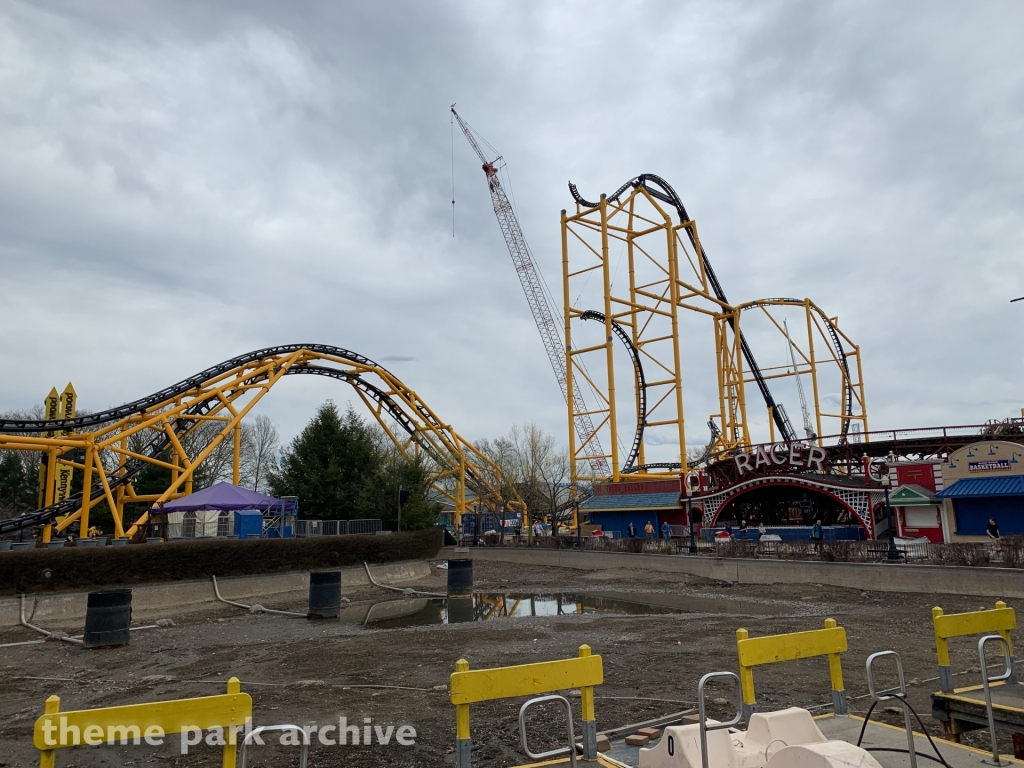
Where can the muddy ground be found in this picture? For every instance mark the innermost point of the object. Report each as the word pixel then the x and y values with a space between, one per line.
pixel 303 672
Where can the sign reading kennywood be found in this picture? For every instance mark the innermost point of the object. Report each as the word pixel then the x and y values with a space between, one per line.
pixel 789 455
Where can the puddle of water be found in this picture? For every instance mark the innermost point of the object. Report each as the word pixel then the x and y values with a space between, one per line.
pixel 699 604
pixel 485 606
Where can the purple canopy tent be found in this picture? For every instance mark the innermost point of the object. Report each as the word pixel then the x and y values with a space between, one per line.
pixel 210 505
pixel 225 496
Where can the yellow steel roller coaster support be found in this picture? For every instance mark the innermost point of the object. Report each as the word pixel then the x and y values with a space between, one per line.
pixel 225 396
pixel 668 276
pixel 825 345
pixel 664 277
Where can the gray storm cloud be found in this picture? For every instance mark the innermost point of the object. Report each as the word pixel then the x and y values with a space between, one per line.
pixel 182 183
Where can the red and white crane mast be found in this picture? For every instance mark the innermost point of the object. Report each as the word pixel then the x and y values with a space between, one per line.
pixel 536 298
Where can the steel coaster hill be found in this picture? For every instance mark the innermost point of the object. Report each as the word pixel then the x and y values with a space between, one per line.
pixel 100 445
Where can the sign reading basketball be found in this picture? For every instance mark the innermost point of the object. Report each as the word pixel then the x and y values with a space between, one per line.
pixel 791 456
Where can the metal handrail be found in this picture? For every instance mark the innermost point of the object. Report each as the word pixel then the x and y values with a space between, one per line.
pixel 773 741
pixel 303 755
pixel 1006 674
pixel 899 694
pixel 571 749
pixel 704 727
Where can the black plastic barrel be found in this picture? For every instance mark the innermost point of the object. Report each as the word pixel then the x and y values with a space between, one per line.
pixel 108 615
pixel 324 594
pixel 460 577
pixel 460 609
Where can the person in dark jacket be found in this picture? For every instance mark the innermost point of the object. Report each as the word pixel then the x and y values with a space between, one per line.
pixel 992 529
pixel 817 534
pixel 631 531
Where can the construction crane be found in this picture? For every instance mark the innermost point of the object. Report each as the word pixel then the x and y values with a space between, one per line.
pixel 543 315
pixel 808 429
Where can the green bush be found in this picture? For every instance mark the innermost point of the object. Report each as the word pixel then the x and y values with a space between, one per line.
pixel 47 570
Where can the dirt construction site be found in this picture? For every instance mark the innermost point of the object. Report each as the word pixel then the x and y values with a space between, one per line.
pixel 656 632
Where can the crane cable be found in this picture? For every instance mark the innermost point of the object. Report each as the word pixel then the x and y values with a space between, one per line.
pixel 453 174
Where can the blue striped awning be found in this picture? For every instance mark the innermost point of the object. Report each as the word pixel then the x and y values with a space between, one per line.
pixel 981 487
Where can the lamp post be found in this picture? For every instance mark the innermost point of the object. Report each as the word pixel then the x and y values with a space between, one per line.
pixel 894 554
pixel 689 513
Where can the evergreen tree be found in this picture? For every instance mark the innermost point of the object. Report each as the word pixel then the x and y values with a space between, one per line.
pixel 17 491
pixel 419 511
pixel 330 466
pixel 341 467
pixel 396 474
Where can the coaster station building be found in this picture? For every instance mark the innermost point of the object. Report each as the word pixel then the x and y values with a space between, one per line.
pixel 943 485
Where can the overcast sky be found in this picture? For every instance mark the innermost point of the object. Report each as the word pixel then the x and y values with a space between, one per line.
pixel 184 182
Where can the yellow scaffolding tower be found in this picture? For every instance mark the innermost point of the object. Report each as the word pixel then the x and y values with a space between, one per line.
pixel 626 263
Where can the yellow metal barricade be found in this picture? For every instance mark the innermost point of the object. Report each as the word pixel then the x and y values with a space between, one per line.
pixel 755 651
pixel 473 686
pixel 134 722
pixel 999 620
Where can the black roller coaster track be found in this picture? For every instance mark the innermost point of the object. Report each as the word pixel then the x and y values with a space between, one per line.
pixel 183 425
pixel 630 466
pixel 660 189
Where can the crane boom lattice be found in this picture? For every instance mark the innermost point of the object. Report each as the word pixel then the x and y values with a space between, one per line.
pixel 808 429
pixel 540 307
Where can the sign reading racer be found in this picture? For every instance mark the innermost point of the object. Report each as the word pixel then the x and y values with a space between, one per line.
pixel 789 455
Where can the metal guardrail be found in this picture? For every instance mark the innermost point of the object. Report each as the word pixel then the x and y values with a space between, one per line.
pixel 1006 674
pixel 899 694
pixel 704 727
pixel 302 733
pixel 570 750
pixel 364 526
pixel 959 553
pixel 310 528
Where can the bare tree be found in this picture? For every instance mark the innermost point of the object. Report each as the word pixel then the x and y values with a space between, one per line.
pixel 530 459
pixel 261 446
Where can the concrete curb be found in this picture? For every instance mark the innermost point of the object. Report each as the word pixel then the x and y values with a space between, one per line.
pixel 872 577
pixel 165 599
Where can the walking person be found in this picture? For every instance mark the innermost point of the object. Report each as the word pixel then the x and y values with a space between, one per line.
pixel 649 530
pixel 631 530
pixel 817 534
pixel 666 531
pixel 992 531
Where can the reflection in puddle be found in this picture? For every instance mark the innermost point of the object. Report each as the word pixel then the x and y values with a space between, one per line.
pixel 484 606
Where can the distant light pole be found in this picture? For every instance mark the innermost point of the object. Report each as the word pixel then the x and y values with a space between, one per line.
pixel 689 516
pixel 894 553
